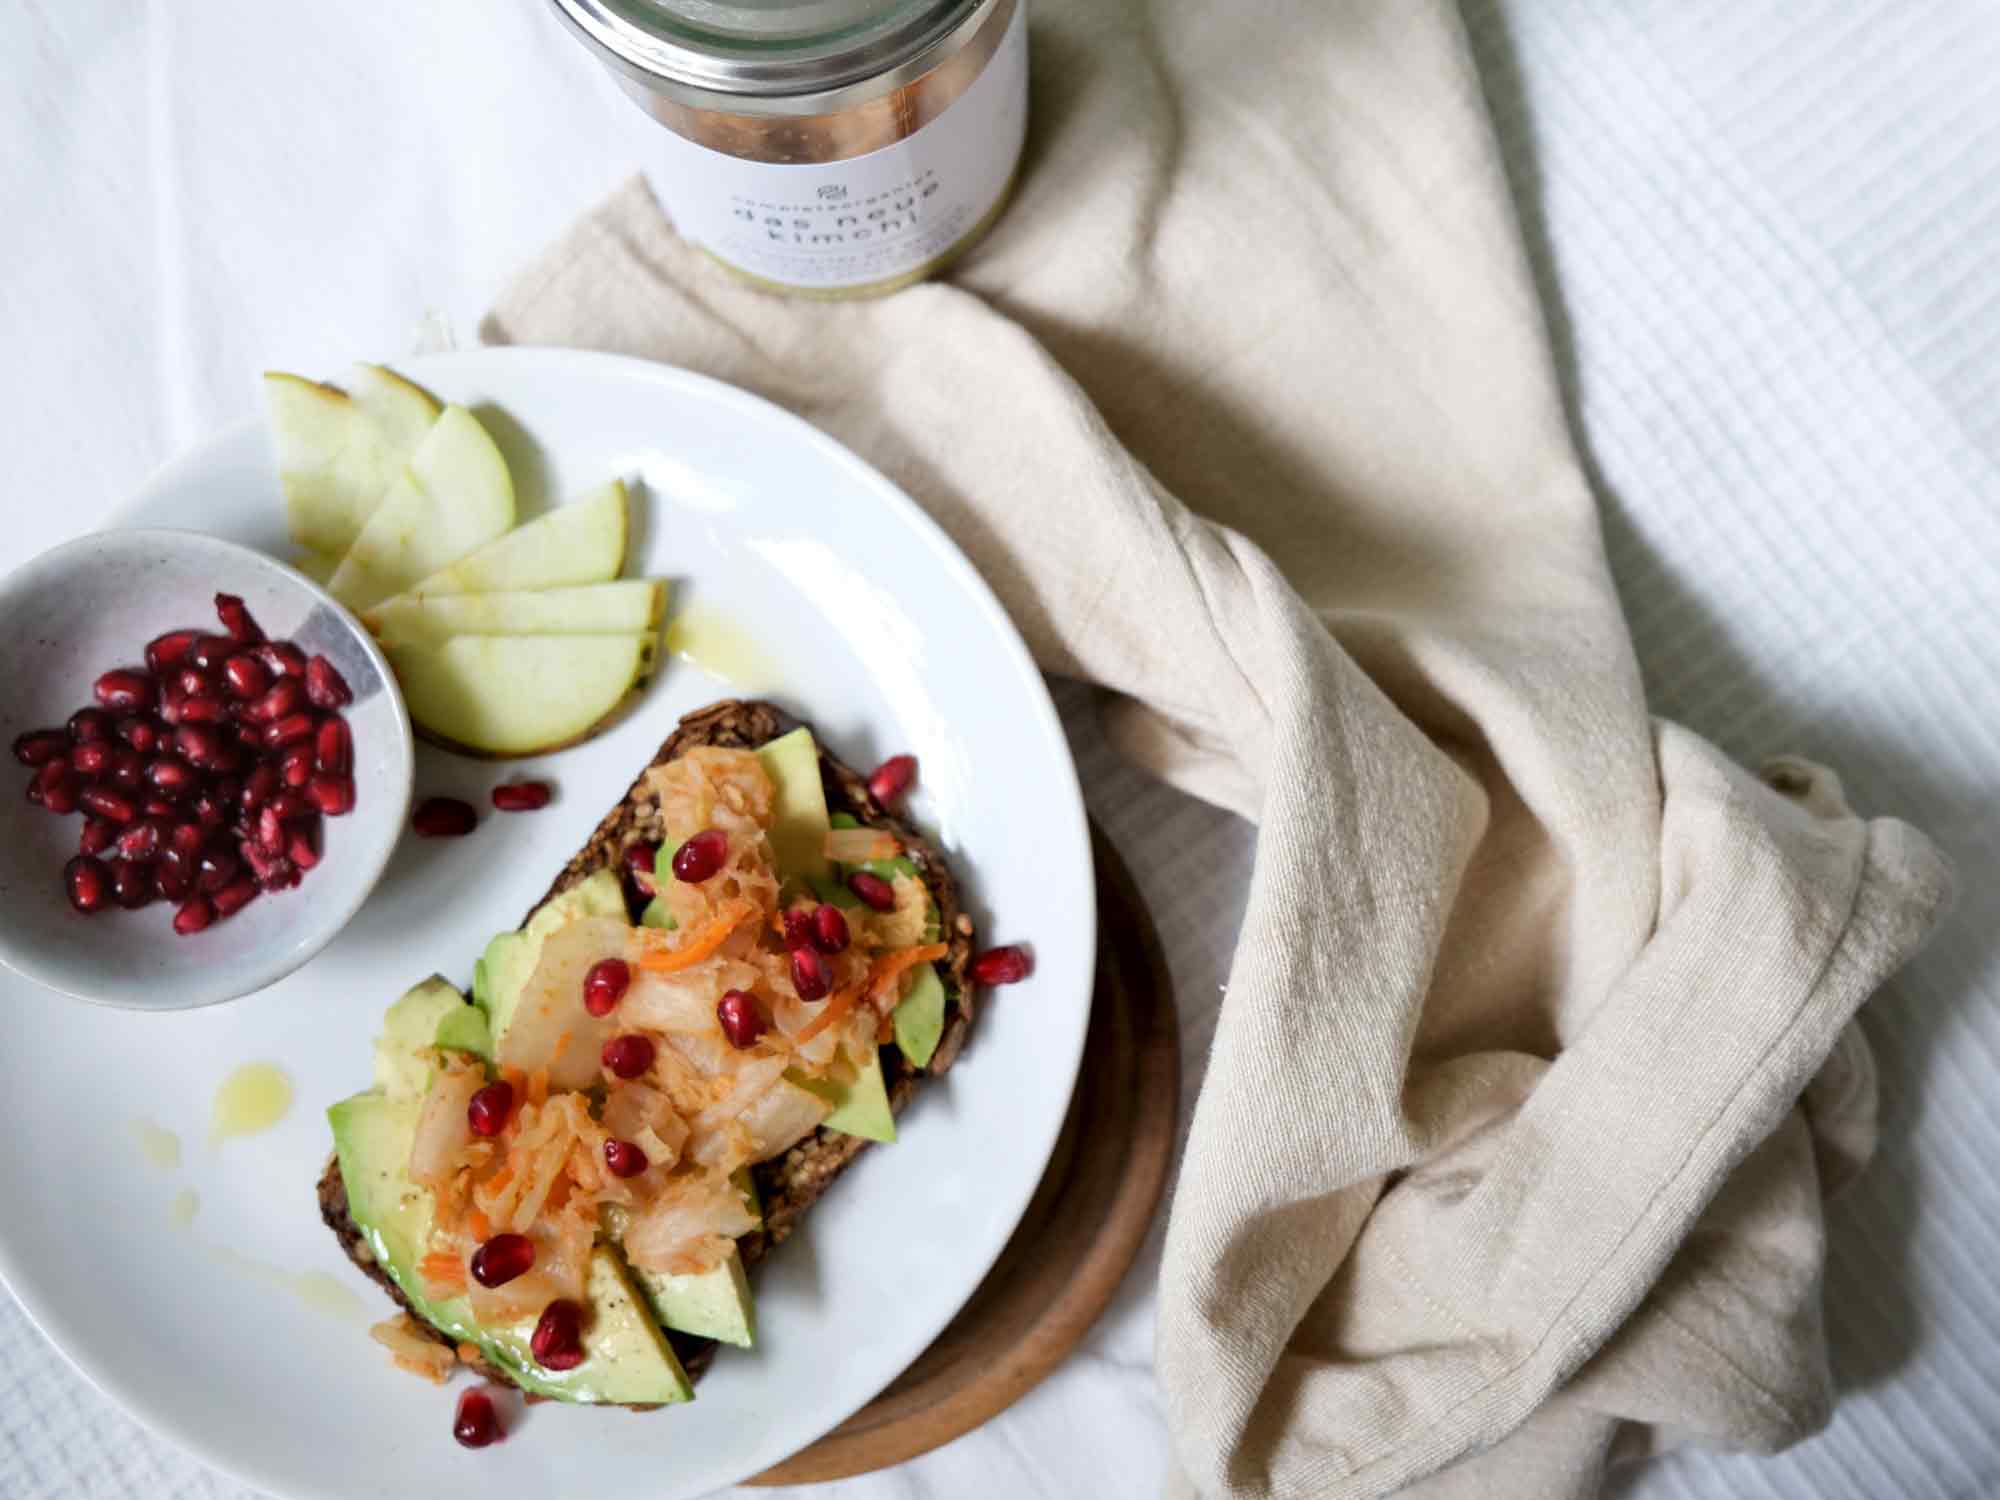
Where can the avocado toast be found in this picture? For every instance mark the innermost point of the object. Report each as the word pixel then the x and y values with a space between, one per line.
pixel 659 1272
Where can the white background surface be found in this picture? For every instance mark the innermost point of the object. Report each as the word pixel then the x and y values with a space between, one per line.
pixel 1768 235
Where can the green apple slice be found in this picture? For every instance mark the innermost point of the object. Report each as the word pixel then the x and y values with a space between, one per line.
pixel 593 609
pixel 519 694
pixel 402 413
pixel 453 497
pixel 579 543
pixel 318 566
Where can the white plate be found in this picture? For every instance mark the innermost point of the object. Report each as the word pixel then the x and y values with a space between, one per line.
pixel 882 635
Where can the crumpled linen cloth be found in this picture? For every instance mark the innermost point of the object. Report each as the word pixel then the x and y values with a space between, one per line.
pixel 1536 1060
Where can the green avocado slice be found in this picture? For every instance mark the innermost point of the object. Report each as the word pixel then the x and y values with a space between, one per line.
pixel 920 1018
pixel 627 1359
pixel 859 1108
pixel 403 1052
pixel 798 810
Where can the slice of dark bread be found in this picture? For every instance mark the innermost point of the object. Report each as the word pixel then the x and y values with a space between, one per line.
pixel 791 1183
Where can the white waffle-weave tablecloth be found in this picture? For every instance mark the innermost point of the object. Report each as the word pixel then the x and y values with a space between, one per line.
pixel 1767 237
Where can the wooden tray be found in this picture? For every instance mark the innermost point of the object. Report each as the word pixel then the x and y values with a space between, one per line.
pixel 1080 1232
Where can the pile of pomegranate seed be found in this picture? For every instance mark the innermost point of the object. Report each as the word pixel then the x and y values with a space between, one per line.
pixel 203 776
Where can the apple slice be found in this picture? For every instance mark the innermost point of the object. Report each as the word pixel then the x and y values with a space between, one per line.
pixel 318 566
pixel 338 454
pixel 582 542
pixel 593 609
pixel 453 497
pixel 498 695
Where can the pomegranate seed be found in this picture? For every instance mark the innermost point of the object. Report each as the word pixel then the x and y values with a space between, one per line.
pixel 125 691
pixel 333 746
pixel 165 651
pixel 272 871
pixel 139 840
pixel 194 683
pixel 521 796
pixel 97 836
pixel 798 928
pixel 829 929
pixel 173 876
pixel 295 809
pixel 40 746
pixel 888 781
pixel 186 840
pixel 873 891
pixel 325 686
pixel 90 760
pixel 216 868
pixel 34 791
pixel 605 985
pixel 245 676
pixel 557 1343
pixel 502 1258
pixel 209 652
pixel 203 708
pixel 283 658
pixel 132 884
pixel 1008 965
pixel 208 809
pixel 302 845
pixel 285 697
pixel 701 856
pixel 105 803
pixel 270 830
pixel 194 914
pixel 623 1159
pixel 810 975
pixel 158 807
pixel 741 1021
pixel 439 817
pixel 200 745
pixel 476 1424
pixel 260 788
pixel 142 734
pixel 488 1109
pixel 128 768
pixel 88 881
pixel 287 731
pixel 234 897
pixel 334 796
pixel 56 789
pixel 295 766
pixel 237 620
pixel 172 777
pixel 627 1056
pixel 88 724
pixel 641 860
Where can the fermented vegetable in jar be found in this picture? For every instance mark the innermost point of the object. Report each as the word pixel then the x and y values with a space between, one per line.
pixel 826 148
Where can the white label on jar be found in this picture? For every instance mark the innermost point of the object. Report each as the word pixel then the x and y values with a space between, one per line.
pixel 870 218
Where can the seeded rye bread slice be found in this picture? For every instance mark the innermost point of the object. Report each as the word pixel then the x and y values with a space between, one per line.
pixel 792 1183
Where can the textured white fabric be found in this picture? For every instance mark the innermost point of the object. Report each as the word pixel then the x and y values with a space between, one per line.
pixel 1767 228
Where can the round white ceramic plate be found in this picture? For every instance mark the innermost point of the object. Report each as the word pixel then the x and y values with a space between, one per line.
pixel 871 625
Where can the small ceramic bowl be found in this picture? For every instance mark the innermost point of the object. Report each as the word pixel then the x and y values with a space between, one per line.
pixel 92 604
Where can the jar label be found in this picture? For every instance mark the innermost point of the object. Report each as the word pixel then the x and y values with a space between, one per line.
pixel 869 219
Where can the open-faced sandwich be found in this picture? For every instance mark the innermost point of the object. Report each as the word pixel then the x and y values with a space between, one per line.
pixel 729 992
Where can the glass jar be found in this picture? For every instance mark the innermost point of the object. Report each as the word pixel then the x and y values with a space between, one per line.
pixel 827 148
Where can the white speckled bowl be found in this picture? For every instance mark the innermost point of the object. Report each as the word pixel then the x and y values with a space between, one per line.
pixel 92 604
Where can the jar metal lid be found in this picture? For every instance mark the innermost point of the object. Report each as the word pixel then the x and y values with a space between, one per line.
pixel 787 57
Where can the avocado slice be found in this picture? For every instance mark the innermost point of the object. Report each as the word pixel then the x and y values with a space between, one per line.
pixel 464 1030
pixel 711 1305
pixel 657 915
pixel 859 1108
pixel 403 1056
pixel 798 811
pixel 920 1018
pixel 627 1358
pixel 510 958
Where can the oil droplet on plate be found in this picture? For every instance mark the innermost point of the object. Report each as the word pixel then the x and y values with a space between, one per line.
pixel 707 638
pixel 253 1098
pixel 317 1289
pixel 181 1212
pixel 160 1146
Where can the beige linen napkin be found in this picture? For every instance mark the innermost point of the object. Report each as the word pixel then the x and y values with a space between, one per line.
pixel 1534 1063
